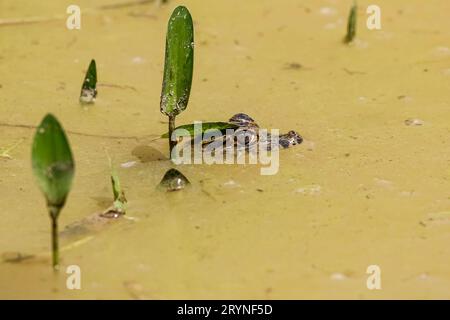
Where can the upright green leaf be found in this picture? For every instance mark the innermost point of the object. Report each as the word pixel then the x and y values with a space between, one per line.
pixel 89 87
pixel 179 61
pixel 120 201
pixel 52 161
pixel 351 24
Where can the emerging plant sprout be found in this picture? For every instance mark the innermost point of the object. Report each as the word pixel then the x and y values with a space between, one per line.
pixel 119 206
pixel 53 167
pixel 120 202
pixel 173 180
pixel 351 24
pixel 178 67
pixel 89 87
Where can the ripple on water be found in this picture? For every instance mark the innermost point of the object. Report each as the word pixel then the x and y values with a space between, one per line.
pixel 412 122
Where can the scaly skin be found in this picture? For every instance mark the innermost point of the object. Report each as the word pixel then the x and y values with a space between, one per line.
pixel 248 134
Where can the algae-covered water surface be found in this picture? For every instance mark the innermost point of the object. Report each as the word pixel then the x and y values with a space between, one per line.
pixel 357 208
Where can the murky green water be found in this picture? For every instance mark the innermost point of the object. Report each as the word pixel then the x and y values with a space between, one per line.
pixel 364 189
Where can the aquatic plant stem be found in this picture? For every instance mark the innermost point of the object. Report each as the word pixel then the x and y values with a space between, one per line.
pixel 54 212
pixel 172 143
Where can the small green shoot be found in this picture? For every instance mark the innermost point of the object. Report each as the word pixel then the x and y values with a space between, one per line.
pixel 120 201
pixel 89 87
pixel 53 167
pixel 190 128
pixel 351 24
pixel 178 67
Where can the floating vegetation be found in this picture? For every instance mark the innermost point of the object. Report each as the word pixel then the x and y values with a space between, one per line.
pixel 178 67
pixel 173 180
pixel 53 167
pixel 351 24
pixel 89 87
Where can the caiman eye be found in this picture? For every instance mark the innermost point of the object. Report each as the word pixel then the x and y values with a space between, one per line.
pixel 284 143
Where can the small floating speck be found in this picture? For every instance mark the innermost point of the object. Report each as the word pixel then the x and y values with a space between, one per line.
pixel 407 193
pixel 310 190
pixel 405 98
pixel 130 218
pixel 137 60
pixel 414 122
pixel 230 183
pixel 437 218
pixel 327 11
pixel 383 183
pixel 362 99
pixel 128 164
pixel 337 276
pixel 442 51
pixel 293 66
pixel 423 276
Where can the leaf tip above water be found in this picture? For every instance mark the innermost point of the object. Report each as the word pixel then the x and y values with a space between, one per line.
pixel 351 24
pixel 89 87
pixel 173 180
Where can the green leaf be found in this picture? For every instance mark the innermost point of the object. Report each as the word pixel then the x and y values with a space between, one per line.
pixel 173 180
pixel 221 126
pixel 120 202
pixel 89 87
pixel 52 161
pixel 179 62
pixel 351 24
